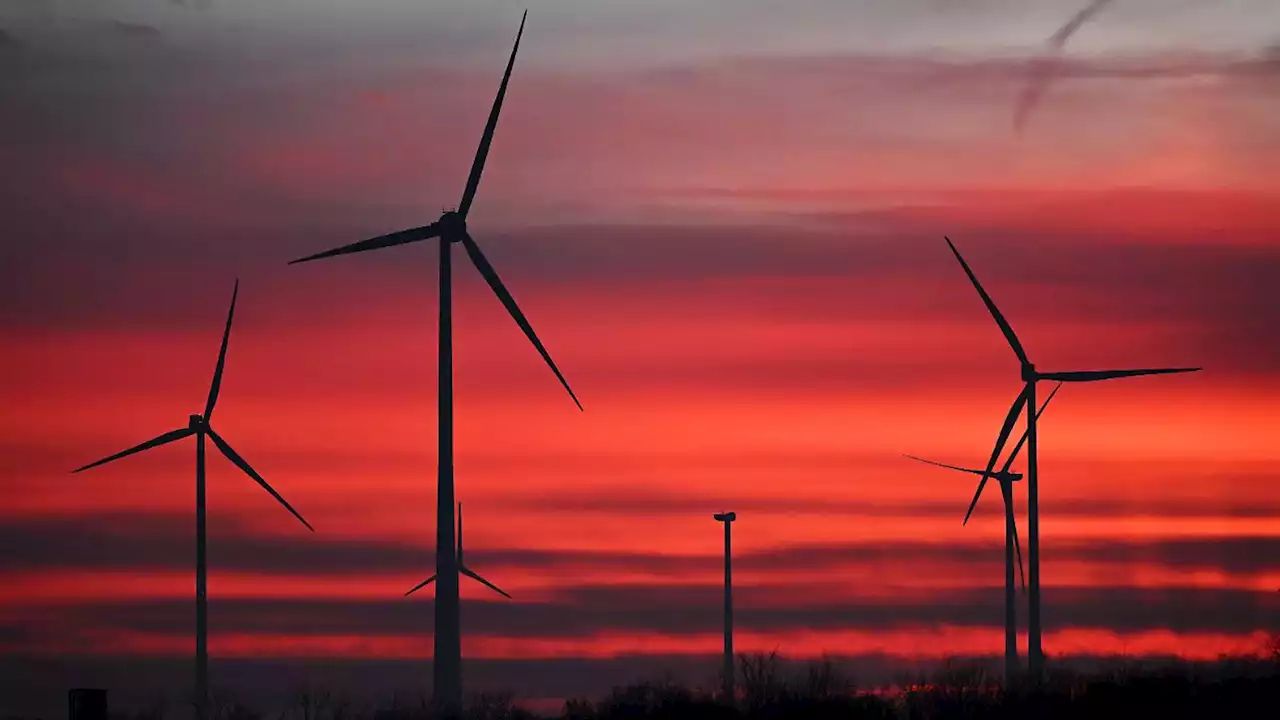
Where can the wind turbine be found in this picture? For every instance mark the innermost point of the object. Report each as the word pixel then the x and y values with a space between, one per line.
pixel 199 425
pixel 1027 396
pixel 1011 544
pixel 462 568
pixel 452 228
pixel 727 673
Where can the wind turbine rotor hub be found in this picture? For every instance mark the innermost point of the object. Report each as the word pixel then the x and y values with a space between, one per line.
pixel 1029 372
pixel 453 226
pixel 196 422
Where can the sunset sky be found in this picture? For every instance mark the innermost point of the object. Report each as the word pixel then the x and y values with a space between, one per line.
pixel 726 224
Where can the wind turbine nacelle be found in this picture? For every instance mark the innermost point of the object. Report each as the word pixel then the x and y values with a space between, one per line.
pixel 195 422
pixel 452 226
pixel 726 517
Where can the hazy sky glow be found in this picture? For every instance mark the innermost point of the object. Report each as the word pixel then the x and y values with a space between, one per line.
pixel 726 225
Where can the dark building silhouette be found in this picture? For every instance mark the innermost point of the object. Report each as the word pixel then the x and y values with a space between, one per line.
pixel 87 704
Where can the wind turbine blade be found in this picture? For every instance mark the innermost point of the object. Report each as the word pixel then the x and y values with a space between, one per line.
pixel 491 276
pixel 1022 440
pixel 482 152
pixel 1009 421
pixel 421 585
pixel 426 232
pixel 950 467
pixel 154 442
pixel 991 307
pixel 468 572
pixel 216 385
pixel 1092 375
pixel 234 457
pixel 1018 547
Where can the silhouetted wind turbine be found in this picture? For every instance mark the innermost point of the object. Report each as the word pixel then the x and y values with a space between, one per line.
pixel 452 228
pixel 462 568
pixel 199 425
pixel 727 672
pixel 1027 396
pixel 1011 545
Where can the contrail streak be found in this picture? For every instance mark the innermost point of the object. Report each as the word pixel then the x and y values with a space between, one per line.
pixel 1042 70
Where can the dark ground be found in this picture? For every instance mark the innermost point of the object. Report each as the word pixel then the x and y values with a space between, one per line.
pixel 771 687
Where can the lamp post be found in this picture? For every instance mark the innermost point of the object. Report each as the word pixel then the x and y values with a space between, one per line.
pixel 727 674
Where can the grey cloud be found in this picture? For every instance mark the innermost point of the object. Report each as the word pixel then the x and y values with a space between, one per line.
pixel 161 542
pixel 158 542
pixel 679 609
pixel 137 30
pixel 852 72
pixel 620 500
pixel 1224 278
pixel 84 118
